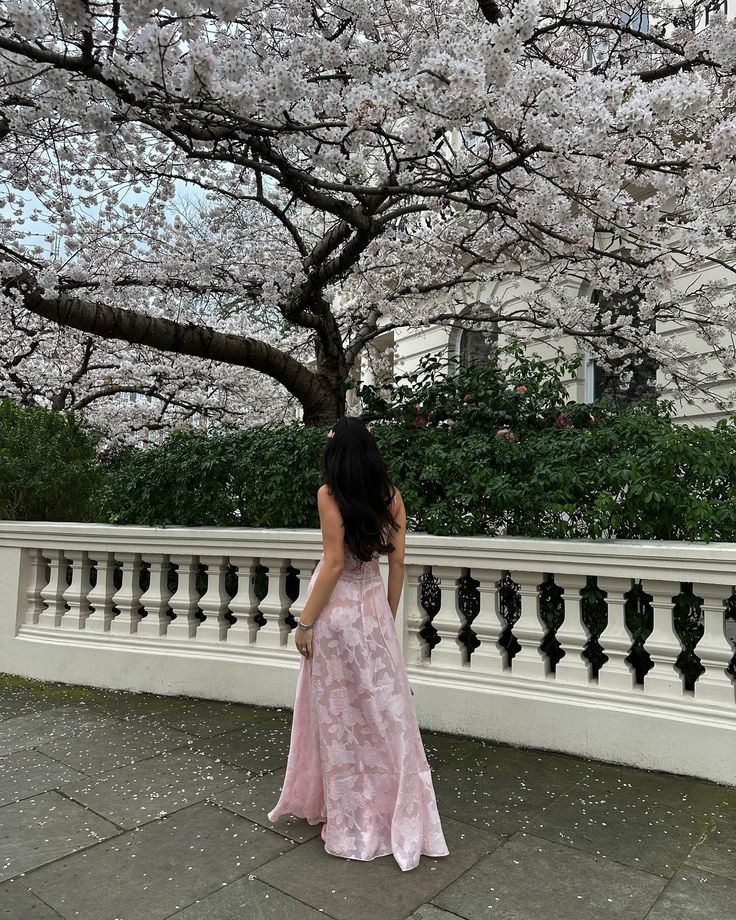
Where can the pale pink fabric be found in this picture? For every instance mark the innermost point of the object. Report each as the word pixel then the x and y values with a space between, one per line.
pixel 356 758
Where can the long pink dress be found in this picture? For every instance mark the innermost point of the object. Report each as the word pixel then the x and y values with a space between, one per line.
pixel 356 758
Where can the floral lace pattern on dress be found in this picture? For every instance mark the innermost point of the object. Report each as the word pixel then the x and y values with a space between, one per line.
pixel 356 757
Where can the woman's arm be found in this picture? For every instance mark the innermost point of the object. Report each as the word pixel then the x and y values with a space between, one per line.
pixel 396 558
pixel 333 542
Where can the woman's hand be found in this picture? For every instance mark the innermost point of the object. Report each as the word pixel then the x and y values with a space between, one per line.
pixel 303 642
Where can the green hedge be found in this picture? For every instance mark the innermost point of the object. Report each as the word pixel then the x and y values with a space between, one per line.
pixel 48 466
pixel 495 449
pixel 265 476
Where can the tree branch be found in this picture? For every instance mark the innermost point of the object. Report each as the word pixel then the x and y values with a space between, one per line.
pixel 168 335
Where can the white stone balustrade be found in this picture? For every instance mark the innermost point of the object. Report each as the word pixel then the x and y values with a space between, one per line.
pixel 100 597
pixel 155 600
pixel 184 602
pixel 415 616
pixel 75 595
pixel 275 605
pixel 572 635
pixel 529 630
pixel 52 593
pixel 663 643
pixel 489 657
pixel 244 603
pixel 127 597
pixel 36 583
pixel 616 638
pixel 449 652
pixel 72 608
pixel 214 602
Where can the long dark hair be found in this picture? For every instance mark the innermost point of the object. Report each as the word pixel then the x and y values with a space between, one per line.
pixel 355 472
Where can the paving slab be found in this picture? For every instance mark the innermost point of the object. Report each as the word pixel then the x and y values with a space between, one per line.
pixel 18 903
pixel 19 695
pixel 530 878
pixel 717 851
pixel 48 726
pixel 200 718
pixel 123 705
pixel 350 889
pixel 696 895
pixel 443 749
pixel 650 821
pixel 18 704
pixel 260 748
pixel 45 827
pixel 159 868
pixel 110 744
pixel 249 899
pixel 30 772
pixel 255 797
pixel 216 770
pixel 204 718
pixel 152 788
pixel 504 792
pixel 430 912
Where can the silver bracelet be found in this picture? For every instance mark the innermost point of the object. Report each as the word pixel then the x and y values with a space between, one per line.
pixel 304 625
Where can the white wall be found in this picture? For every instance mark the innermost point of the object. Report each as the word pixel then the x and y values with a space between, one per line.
pixel 716 401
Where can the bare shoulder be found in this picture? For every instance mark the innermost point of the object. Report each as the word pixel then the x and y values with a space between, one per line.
pixel 397 506
pixel 325 499
pixel 323 490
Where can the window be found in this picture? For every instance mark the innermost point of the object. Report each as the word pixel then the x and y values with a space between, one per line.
pixel 633 376
pixel 635 16
pixel 473 346
pixel 716 6
pixel 631 13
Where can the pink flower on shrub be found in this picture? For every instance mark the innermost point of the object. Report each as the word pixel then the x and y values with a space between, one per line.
pixel 467 398
pixel 521 389
pixel 562 421
pixel 420 422
pixel 506 433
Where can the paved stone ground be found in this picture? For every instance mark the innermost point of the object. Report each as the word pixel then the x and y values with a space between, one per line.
pixel 122 806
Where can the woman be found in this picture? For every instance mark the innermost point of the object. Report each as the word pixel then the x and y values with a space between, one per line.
pixel 357 763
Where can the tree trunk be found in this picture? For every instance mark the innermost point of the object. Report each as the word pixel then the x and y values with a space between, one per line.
pixel 326 414
pixel 332 373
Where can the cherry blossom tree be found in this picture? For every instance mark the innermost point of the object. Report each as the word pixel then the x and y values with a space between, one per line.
pixel 355 167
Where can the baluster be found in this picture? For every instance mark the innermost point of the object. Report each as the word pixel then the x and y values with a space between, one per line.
pixel 100 597
pixel 214 602
pixel 53 592
pixel 449 651
pixel 76 594
pixel 714 650
pixel 616 673
pixel 127 598
pixel 36 584
pixel 274 606
pixel 155 599
pixel 489 657
pixel 663 644
pixel 530 661
pixel 306 570
pixel 415 616
pixel 244 603
pixel 184 602
pixel 573 636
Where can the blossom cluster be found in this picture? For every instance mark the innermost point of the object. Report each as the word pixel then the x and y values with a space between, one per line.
pixel 307 177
